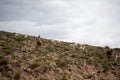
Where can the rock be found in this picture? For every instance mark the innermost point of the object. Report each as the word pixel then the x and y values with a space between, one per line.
pixel 1 69
pixel 1 77
pixel 110 76
pixel 53 64
pixel 40 69
pixel 66 71
pixel 59 70
pixel 28 70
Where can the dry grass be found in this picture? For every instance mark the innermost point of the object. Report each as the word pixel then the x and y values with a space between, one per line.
pixel 35 62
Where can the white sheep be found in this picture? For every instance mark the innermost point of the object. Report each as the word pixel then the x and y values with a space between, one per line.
pixel 16 34
pixel 72 45
pixel 82 47
pixel 26 36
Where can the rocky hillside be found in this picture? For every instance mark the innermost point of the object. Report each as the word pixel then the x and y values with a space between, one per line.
pixel 21 59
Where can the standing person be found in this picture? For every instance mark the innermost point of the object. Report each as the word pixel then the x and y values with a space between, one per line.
pixel 38 40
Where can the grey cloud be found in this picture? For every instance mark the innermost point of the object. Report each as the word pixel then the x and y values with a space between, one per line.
pixel 86 21
pixel 39 11
pixel 17 10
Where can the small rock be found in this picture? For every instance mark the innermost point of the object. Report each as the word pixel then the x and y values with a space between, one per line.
pixel 66 71
pixel 59 70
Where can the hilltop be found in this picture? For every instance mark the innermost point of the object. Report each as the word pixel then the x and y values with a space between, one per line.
pixel 20 59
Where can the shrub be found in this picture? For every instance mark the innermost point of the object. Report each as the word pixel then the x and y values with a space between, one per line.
pixel 3 62
pixel 63 78
pixel 84 57
pixel 7 50
pixel 105 67
pixel 42 51
pixel 50 48
pixel 60 63
pixel 19 38
pixel 17 75
pixel 24 57
pixel 74 56
pixel 34 65
pixel 43 79
pixel 17 63
pixel 66 49
pixel 61 56
pixel 117 49
pixel 102 79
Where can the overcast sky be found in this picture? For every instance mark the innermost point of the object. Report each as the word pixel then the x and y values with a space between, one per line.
pixel 93 22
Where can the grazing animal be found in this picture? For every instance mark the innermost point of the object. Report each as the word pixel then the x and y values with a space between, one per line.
pixel 116 58
pixel 72 45
pixel 82 47
pixel 109 53
pixel 16 34
pixel 38 40
pixel 25 36
pixel 53 41
pixel 116 55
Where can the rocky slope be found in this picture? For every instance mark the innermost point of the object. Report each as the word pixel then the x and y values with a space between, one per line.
pixel 21 59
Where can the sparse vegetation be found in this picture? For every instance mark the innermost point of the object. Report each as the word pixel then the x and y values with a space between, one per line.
pixel 54 59
pixel 17 75
pixel 61 64
pixel 63 78
pixel 44 79
pixel 102 79
pixel 3 62
pixel 7 50
pixel 19 38
pixel 34 65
